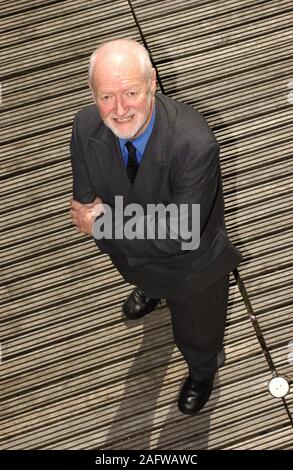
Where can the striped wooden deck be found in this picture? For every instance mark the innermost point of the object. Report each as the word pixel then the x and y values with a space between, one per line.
pixel 66 350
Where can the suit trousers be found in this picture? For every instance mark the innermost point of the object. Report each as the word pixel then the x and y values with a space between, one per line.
pixel 198 327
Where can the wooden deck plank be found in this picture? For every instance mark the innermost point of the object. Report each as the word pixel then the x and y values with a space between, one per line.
pixel 274 440
pixel 9 7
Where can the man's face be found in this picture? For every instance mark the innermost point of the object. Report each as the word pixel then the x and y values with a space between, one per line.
pixel 124 98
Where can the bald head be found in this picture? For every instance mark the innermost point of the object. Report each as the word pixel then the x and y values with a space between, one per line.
pixel 119 55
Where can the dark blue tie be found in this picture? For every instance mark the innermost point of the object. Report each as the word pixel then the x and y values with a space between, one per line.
pixel 132 165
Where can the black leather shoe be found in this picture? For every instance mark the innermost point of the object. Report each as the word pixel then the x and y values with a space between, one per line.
pixel 194 395
pixel 138 304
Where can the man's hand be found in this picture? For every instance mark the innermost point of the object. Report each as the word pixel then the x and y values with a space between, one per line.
pixel 84 215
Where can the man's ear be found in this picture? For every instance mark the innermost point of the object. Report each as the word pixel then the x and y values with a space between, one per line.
pixel 92 91
pixel 153 81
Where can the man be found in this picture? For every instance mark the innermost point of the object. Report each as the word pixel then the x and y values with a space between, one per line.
pixel 150 149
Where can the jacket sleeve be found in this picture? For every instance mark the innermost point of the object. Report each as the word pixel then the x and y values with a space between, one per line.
pixel 196 183
pixel 82 190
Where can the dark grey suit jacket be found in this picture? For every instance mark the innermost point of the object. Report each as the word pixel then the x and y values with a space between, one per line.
pixel 180 165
